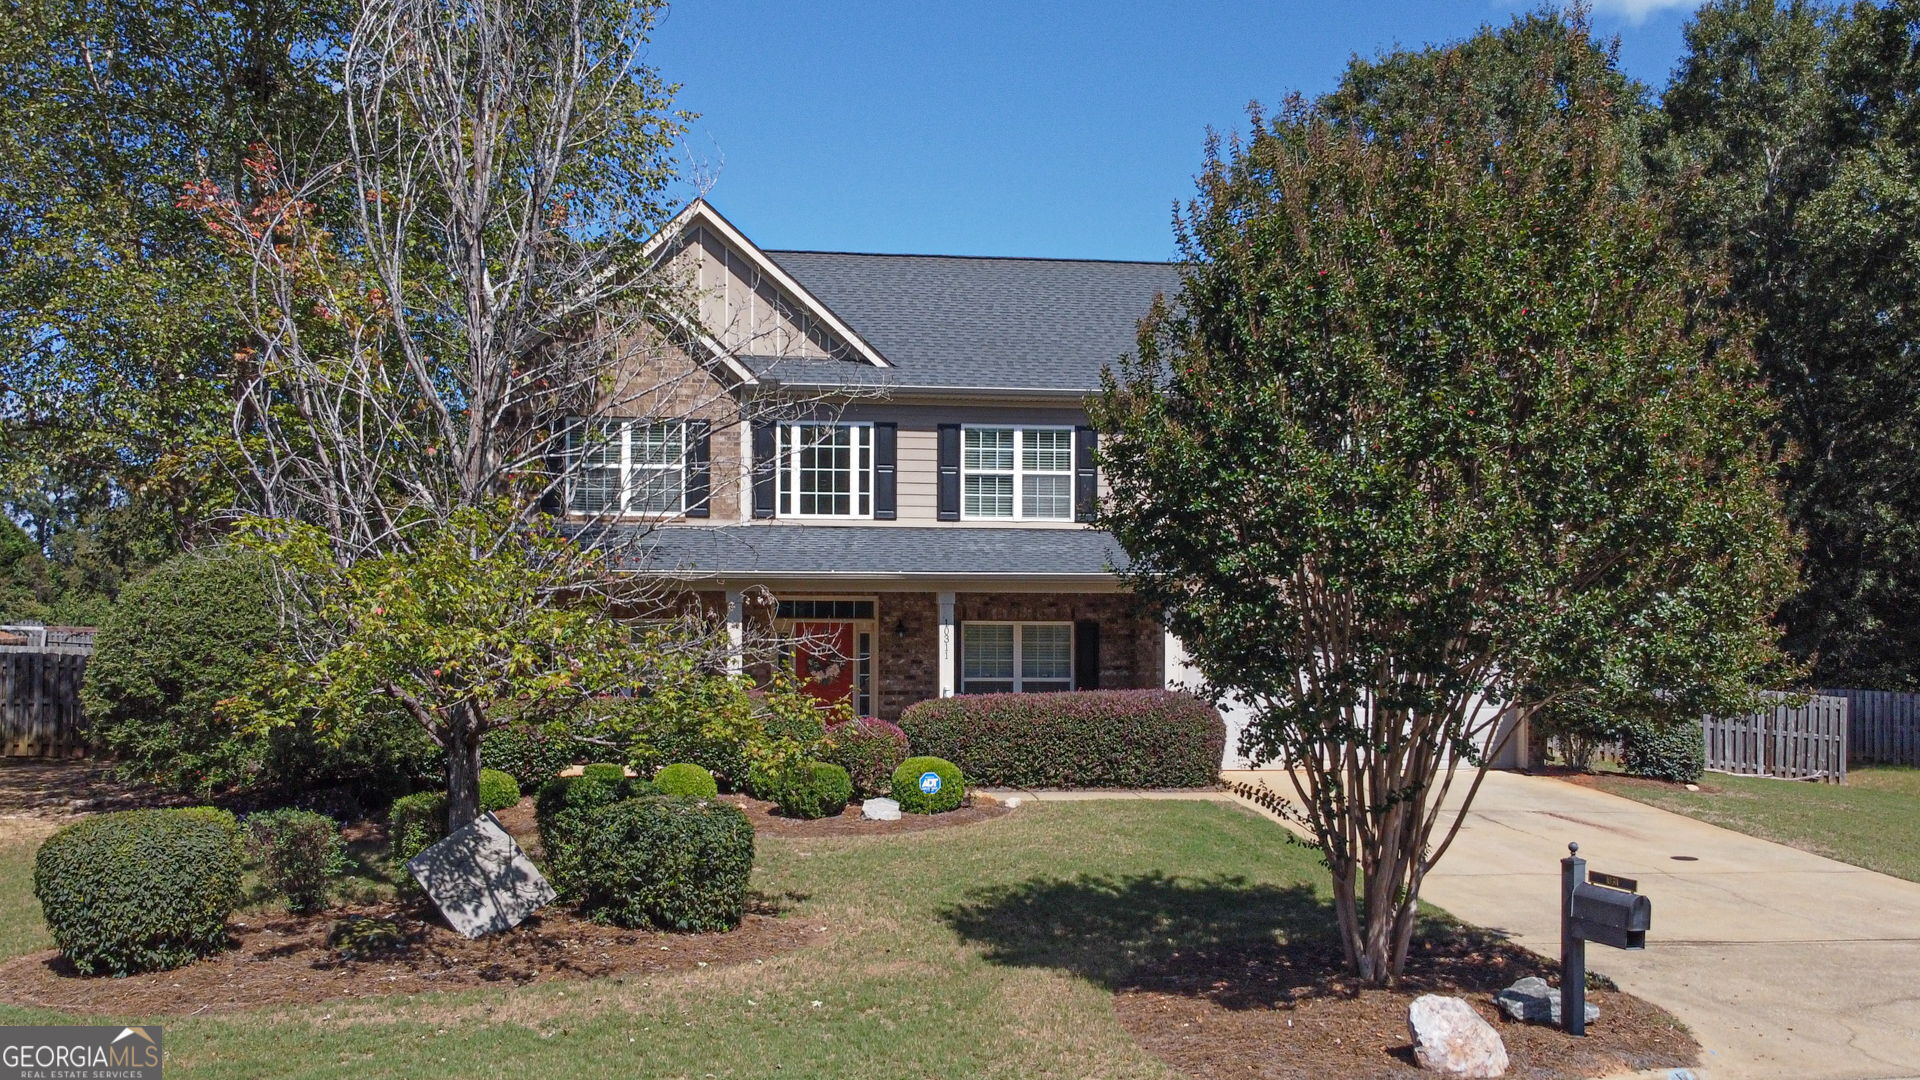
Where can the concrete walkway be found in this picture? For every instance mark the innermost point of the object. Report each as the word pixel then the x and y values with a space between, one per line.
pixel 1784 964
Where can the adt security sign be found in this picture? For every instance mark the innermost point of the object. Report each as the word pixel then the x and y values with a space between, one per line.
pixel 930 782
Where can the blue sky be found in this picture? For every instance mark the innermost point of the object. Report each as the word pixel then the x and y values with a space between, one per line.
pixel 1021 127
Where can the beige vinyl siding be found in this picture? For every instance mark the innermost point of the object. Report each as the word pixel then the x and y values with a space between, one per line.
pixel 918 477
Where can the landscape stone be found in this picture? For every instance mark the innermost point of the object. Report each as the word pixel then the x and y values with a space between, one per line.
pixel 880 810
pixel 480 879
pixel 1533 1001
pixel 1451 1039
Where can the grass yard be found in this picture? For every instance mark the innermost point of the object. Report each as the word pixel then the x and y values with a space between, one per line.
pixel 1873 820
pixel 980 951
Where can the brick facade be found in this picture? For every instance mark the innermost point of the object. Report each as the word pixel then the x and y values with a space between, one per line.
pixel 908 638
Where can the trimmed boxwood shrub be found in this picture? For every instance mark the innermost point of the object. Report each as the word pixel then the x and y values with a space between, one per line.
pixel 497 790
pixel 605 772
pixel 562 808
pixel 140 890
pixel 812 789
pixel 300 854
pixel 686 780
pixel 1662 749
pixel 415 822
pixel 906 786
pixel 869 748
pixel 1079 738
pixel 667 863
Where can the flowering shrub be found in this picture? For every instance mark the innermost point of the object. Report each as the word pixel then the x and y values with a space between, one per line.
pixel 869 748
pixel 1080 738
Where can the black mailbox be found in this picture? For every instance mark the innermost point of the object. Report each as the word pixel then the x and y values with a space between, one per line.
pixel 1611 916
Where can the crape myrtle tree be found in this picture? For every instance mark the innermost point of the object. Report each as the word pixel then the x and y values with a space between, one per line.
pixel 431 311
pixel 1439 423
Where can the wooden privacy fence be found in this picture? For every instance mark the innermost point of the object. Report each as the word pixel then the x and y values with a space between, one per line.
pixel 1884 726
pixel 1804 742
pixel 40 700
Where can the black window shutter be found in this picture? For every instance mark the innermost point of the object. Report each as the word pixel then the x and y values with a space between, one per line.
pixel 1085 487
pixel 699 467
pixel 886 457
pixel 560 458
pixel 949 485
pixel 1086 655
pixel 765 469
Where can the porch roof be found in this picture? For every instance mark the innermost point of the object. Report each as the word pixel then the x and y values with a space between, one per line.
pixel 873 550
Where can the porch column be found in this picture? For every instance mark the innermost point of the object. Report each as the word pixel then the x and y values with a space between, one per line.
pixel 736 631
pixel 948 652
pixel 1176 671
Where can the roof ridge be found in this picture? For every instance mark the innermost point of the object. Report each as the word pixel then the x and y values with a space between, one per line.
pixel 981 258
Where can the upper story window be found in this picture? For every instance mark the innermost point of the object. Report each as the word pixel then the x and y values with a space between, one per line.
pixel 997 658
pixel 627 466
pixel 1017 473
pixel 826 470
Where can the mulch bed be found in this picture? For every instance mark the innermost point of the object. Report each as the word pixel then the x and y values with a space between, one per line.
pixel 768 820
pixel 286 961
pixel 1284 1012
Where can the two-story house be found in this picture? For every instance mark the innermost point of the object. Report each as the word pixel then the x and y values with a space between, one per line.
pixel 888 456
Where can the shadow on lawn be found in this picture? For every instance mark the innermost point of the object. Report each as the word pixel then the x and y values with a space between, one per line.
pixel 1224 939
pixel 1106 928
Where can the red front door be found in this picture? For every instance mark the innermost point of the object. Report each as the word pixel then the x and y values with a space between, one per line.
pixel 823 658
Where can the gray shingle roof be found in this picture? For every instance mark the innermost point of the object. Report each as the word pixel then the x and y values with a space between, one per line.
pixel 875 550
pixel 980 323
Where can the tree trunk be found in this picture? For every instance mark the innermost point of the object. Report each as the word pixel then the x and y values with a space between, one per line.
pixel 463 767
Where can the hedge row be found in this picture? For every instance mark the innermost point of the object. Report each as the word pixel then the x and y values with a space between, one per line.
pixel 1082 739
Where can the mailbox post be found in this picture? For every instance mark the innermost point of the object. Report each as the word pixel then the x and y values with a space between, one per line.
pixel 1594 907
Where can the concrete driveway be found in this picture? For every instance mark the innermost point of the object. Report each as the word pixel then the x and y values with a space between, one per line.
pixel 1784 964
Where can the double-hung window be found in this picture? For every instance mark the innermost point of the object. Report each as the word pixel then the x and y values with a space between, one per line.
pixel 826 470
pixel 626 466
pixel 1016 473
pixel 997 658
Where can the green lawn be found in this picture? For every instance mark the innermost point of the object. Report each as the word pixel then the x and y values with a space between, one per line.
pixel 980 951
pixel 1873 820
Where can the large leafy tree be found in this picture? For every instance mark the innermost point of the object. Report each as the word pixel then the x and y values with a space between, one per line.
pixel 431 312
pixel 1799 124
pixel 1440 420
pixel 117 328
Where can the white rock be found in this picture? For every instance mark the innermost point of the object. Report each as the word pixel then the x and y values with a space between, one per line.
pixel 1012 801
pixel 1451 1039
pixel 880 810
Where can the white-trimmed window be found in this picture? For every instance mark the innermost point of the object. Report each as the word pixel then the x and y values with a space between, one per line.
pixel 1029 657
pixel 826 470
pixel 1017 473
pixel 627 466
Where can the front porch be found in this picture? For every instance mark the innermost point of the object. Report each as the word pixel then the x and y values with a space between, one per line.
pixel 885 649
